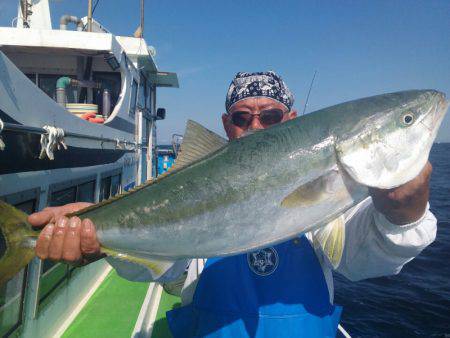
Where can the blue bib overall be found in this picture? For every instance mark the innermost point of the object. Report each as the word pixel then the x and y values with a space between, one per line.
pixel 274 292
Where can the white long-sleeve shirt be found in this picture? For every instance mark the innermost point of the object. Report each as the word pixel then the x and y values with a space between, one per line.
pixel 373 247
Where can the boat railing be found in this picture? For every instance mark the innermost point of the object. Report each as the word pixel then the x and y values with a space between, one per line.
pixel 343 331
pixel 41 131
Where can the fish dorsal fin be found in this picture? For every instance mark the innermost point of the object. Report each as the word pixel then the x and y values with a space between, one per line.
pixel 198 142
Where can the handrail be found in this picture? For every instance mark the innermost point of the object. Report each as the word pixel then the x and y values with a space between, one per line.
pixel 40 131
pixel 344 333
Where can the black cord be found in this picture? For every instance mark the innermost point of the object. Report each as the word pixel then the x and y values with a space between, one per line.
pixel 95 6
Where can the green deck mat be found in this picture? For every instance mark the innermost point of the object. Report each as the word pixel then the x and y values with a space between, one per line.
pixel 167 303
pixel 111 312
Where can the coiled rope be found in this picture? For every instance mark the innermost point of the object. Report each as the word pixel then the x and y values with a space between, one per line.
pixel 51 141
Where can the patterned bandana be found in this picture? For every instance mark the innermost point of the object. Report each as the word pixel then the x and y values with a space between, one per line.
pixel 261 84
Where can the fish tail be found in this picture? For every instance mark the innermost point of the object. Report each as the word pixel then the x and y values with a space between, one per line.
pixel 17 241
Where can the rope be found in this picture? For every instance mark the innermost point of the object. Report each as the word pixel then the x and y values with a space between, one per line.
pixel 2 144
pixel 118 144
pixel 51 141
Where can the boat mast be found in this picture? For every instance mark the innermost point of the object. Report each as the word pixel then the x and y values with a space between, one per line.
pixel 89 16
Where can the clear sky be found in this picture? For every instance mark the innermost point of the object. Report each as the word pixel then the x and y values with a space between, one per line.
pixel 359 48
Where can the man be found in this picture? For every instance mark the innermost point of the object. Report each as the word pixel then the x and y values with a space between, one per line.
pixel 282 291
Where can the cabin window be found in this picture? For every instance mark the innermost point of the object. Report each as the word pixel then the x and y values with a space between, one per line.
pixel 115 185
pixel 11 300
pixel 110 187
pixel 12 293
pixel 134 89
pixel 110 81
pixel 143 92
pixel 32 77
pixel 47 83
pixel 63 197
pixel 56 274
pixel 86 192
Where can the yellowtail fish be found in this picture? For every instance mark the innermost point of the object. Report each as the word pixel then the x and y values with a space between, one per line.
pixel 224 198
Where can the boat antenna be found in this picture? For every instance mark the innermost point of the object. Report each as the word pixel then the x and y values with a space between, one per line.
pixel 25 7
pixel 309 92
pixel 142 18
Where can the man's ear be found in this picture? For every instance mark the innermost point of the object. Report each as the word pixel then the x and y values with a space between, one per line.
pixel 292 114
pixel 226 124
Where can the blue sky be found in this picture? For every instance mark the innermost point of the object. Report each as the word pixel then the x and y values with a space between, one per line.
pixel 359 48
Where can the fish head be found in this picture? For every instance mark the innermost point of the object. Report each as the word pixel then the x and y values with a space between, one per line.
pixel 389 144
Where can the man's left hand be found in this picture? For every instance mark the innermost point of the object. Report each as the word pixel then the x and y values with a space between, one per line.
pixel 406 203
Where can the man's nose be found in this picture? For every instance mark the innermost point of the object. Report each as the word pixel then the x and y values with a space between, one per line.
pixel 255 124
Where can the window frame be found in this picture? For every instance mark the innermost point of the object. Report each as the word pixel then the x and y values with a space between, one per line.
pixel 109 174
pixel 54 188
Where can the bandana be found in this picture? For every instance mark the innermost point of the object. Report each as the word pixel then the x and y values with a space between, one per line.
pixel 261 84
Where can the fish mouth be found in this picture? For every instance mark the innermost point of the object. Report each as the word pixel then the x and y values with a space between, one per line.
pixel 433 119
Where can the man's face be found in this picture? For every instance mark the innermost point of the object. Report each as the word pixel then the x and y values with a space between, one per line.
pixel 254 106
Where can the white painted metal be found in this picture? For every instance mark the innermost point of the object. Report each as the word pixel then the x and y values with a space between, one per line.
pixel 38 17
pixel 149 310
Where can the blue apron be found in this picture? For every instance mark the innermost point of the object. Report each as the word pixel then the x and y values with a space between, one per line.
pixel 274 292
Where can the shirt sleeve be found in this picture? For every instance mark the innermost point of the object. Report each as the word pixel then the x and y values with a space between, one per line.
pixel 167 270
pixel 375 247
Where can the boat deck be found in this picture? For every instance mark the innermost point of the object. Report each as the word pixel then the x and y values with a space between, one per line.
pixel 112 311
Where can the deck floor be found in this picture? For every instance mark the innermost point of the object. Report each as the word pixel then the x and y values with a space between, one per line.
pixel 161 328
pixel 111 312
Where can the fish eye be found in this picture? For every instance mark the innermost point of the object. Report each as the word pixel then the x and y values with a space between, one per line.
pixel 407 119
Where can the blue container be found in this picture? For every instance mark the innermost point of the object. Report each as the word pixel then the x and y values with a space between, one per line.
pixel 166 158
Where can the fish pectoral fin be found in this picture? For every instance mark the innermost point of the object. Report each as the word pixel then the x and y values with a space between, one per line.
pixel 156 267
pixel 311 192
pixel 198 142
pixel 331 240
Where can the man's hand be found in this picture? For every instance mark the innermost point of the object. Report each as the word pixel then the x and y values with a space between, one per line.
pixel 406 203
pixel 66 239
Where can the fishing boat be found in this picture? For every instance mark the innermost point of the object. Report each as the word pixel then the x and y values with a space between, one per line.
pixel 78 114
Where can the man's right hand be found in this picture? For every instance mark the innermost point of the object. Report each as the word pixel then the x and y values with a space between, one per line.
pixel 66 239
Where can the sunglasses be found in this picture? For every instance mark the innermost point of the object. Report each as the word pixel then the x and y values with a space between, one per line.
pixel 268 117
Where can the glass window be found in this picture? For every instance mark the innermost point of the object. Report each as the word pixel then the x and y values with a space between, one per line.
pixel 63 196
pixel 86 192
pixel 27 207
pixel 32 77
pixel 134 89
pixel 47 83
pixel 11 298
pixel 115 185
pixel 12 293
pixel 110 187
pixel 142 95
pixel 105 188
pixel 110 81
pixel 55 274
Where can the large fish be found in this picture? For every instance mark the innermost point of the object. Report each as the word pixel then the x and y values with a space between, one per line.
pixel 224 198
